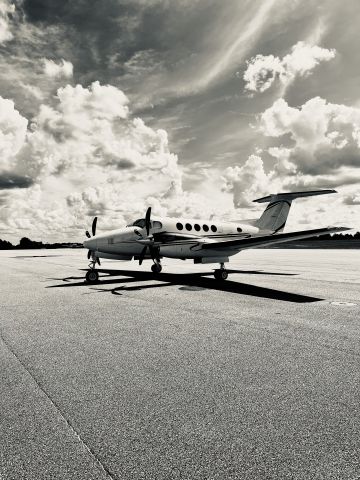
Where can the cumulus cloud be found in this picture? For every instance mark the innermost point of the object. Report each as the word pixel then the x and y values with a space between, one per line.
pixel 248 182
pixel 324 137
pixel 13 128
pixel 6 8
pixel 57 70
pixel 87 155
pixel 253 180
pixel 263 70
pixel 316 145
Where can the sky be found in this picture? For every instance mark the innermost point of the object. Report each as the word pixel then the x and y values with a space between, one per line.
pixel 193 107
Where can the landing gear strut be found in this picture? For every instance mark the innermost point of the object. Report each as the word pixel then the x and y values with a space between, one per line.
pixel 92 275
pixel 221 273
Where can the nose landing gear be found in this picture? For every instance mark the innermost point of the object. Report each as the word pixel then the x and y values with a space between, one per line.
pixel 92 275
pixel 221 273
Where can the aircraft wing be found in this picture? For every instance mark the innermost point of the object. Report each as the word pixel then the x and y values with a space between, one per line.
pixel 264 240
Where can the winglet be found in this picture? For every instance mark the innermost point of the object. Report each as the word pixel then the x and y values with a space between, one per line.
pixel 292 195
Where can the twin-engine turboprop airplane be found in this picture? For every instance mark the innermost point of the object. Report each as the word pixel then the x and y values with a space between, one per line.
pixel 203 241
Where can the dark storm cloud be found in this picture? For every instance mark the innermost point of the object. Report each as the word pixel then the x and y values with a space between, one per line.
pixel 10 180
pixel 107 34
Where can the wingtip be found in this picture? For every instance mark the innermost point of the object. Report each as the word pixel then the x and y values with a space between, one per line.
pixel 339 229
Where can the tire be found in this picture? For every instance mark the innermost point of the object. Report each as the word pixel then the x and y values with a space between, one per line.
pixel 221 274
pixel 92 276
pixel 156 268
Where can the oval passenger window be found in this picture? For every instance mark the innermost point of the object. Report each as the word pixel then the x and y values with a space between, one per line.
pixel 213 228
pixel 179 226
pixel 188 226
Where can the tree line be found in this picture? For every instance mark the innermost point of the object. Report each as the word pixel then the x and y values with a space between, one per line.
pixel 26 243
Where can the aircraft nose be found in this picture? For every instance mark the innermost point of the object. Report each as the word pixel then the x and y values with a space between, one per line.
pixel 89 243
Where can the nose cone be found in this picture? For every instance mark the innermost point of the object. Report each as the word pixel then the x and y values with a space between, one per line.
pixel 90 243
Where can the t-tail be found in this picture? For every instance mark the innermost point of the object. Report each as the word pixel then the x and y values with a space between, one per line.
pixel 276 213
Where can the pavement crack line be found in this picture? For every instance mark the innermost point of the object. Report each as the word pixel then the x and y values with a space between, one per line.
pixel 87 448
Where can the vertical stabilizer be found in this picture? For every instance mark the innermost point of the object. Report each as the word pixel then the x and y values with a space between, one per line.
pixel 275 215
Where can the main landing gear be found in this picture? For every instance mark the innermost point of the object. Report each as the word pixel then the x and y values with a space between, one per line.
pixel 156 266
pixel 221 273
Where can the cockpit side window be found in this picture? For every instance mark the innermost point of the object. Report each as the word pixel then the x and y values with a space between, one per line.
pixel 156 224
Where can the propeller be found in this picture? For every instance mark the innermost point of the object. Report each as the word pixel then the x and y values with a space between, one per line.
pixel 148 241
pixel 93 230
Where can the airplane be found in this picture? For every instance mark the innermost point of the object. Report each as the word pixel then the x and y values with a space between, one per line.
pixel 202 241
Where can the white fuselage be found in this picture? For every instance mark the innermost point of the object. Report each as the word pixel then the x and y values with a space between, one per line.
pixel 185 238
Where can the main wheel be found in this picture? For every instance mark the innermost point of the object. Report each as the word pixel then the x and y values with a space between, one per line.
pixel 156 267
pixel 221 274
pixel 92 276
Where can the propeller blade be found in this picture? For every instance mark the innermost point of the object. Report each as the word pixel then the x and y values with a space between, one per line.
pixel 147 220
pixel 93 227
pixel 87 234
pixel 142 255
pixel 89 254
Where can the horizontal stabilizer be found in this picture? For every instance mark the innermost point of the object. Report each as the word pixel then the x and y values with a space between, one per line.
pixel 292 195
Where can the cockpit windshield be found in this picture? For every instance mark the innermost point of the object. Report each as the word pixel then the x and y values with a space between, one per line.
pixel 140 222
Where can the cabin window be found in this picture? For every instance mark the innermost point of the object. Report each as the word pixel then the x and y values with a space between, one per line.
pixel 188 227
pixel 213 228
pixel 205 228
pixel 179 226
pixel 156 224
pixel 197 227
pixel 239 229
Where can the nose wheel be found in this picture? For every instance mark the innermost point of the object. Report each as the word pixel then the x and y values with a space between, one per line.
pixel 92 276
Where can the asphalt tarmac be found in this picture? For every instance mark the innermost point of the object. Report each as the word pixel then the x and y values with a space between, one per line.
pixel 179 376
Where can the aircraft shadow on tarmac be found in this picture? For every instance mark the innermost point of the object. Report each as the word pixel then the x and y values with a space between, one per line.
pixel 191 281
